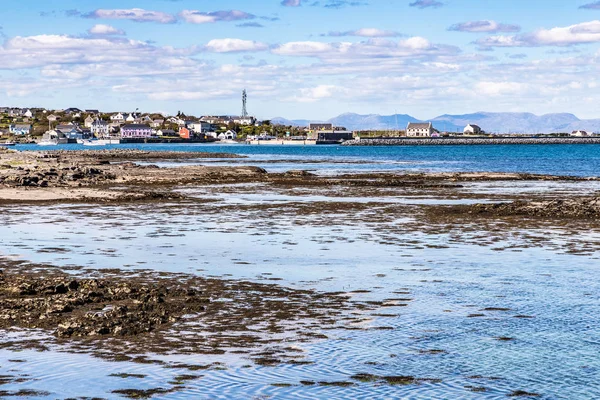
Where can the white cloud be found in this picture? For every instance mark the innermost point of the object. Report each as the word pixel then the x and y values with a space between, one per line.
pixel 101 29
pixel 291 3
pixel 303 49
pixel 586 32
pixel 366 32
pixel 133 14
pixel 486 26
pixel 234 45
pixel 42 50
pixel 372 48
pixel 198 17
pixel 498 88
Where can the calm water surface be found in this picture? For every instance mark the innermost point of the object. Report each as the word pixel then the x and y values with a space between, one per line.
pixel 574 160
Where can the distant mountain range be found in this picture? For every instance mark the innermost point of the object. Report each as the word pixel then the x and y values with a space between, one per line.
pixel 488 121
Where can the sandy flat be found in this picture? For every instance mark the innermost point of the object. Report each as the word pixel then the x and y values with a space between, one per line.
pixel 54 194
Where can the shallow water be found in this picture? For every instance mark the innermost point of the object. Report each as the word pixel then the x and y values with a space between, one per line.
pixel 440 281
pixel 572 160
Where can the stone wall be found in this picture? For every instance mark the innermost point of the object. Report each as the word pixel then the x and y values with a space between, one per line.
pixel 469 141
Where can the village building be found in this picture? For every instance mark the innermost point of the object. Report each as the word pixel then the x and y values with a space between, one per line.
pixel 244 120
pixel 200 126
pixel 229 135
pixel 136 131
pixel 157 123
pixel 52 118
pixel 217 120
pixel 320 127
pixel 55 136
pixel 88 121
pixel 130 118
pixel 117 118
pixel 419 129
pixel 166 132
pixel 332 136
pixel 472 129
pixel 20 129
pixel 93 112
pixel 580 133
pixel 185 133
pixel 71 131
pixel 100 128
pixel 73 110
pixel 28 114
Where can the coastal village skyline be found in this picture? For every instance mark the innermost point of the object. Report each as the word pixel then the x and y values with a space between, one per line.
pixel 302 59
pixel 32 120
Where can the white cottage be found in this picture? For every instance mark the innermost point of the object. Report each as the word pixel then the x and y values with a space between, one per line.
pixel 472 129
pixel 419 129
pixel 580 133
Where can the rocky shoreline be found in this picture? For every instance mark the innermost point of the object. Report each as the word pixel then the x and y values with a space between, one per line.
pixel 127 314
pixel 577 208
pixel 128 175
pixel 468 141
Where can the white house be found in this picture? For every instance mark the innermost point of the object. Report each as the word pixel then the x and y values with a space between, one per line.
pixel 20 129
pixel 229 135
pixel 244 120
pixel 52 118
pixel 28 114
pixel 100 128
pixel 419 129
pixel 176 120
pixel 580 133
pixel 130 118
pixel 118 118
pixel 472 130
pixel 88 121
pixel 200 127
pixel 157 123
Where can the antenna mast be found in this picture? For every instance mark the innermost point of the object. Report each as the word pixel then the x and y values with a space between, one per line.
pixel 244 104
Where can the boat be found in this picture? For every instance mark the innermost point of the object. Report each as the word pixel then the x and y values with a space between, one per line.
pixel 102 142
pixel 8 144
pixel 91 142
pixel 48 143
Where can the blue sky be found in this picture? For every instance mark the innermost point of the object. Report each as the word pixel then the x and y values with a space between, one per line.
pixel 303 58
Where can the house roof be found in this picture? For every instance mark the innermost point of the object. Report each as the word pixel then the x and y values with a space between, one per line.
pixel 473 126
pixel 135 126
pixel 419 125
pixel 21 126
pixel 67 128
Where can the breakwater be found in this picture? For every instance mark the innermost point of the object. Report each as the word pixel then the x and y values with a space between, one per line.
pixel 469 141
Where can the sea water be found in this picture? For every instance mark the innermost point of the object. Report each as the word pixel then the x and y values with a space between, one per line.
pixel 449 277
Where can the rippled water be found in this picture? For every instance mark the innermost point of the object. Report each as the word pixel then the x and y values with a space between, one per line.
pixel 458 297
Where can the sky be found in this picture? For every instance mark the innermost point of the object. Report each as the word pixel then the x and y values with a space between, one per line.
pixel 303 59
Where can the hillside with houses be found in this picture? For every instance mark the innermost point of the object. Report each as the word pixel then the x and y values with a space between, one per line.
pixel 74 124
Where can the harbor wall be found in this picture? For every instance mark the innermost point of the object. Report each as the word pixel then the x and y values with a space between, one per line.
pixel 469 141
pixel 283 142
